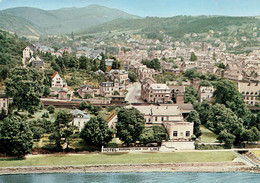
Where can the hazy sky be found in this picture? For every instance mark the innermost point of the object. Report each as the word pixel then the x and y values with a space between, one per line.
pixel 152 7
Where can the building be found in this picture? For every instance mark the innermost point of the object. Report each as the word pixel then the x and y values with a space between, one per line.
pixel 118 99
pixel 80 118
pixel 107 89
pixel 205 93
pixel 121 75
pixel 37 63
pixel 57 81
pixel 28 51
pixel 169 116
pixel 109 63
pixel 250 91
pixel 177 94
pixel 4 102
pixel 155 93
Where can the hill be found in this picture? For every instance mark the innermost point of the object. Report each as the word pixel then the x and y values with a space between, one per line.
pixel 19 25
pixel 60 21
pixel 177 26
pixel 11 51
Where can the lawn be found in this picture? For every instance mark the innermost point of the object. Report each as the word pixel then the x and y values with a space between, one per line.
pixel 121 158
pixel 207 135
pixel 257 153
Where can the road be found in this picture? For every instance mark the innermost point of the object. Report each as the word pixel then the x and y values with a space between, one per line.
pixel 134 93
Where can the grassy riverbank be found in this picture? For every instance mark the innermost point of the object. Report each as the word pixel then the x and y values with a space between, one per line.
pixel 123 158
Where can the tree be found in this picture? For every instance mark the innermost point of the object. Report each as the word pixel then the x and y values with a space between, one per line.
pixel 155 134
pixel 88 95
pixel 96 132
pixel 132 76
pixel 116 64
pixel 227 93
pixel 16 138
pixel 191 95
pixel 25 86
pixel 51 109
pixel 226 137
pixel 193 57
pixel 130 125
pixel 194 117
pixel 62 129
pixel 116 93
pixel 214 56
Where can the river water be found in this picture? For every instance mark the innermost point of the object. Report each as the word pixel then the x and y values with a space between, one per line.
pixel 175 177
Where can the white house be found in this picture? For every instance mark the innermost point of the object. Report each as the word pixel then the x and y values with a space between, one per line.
pixel 57 81
pixel 80 118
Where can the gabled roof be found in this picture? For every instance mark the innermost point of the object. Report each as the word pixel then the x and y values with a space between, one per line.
pixel 54 74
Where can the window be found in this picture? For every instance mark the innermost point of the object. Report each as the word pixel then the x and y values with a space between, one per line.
pixel 162 118
pixel 175 133
pixel 187 133
pixel 156 118
pixel 3 104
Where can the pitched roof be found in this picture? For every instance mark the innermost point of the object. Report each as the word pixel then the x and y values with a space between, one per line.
pixel 54 74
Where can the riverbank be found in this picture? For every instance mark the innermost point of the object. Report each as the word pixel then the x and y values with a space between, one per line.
pixel 160 167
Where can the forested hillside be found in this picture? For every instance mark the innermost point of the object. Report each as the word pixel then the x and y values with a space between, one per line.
pixel 11 48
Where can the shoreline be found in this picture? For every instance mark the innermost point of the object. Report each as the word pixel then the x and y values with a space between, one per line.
pixel 120 168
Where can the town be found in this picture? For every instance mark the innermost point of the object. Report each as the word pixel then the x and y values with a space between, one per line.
pixel 119 92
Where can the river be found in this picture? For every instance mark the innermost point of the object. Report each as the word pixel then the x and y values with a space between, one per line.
pixel 176 177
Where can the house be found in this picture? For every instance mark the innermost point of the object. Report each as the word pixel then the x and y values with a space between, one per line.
pixel 205 93
pixel 109 63
pixel 80 118
pixel 37 63
pixel 28 51
pixel 108 88
pixel 4 102
pixel 87 89
pixel 250 91
pixel 57 81
pixel 63 94
pixel 177 94
pixel 169 116
pixel 121 75
pixel 155 93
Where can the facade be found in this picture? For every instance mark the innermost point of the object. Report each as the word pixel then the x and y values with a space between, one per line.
pixel 118 99
pixel 155 93
pixel 177 94
pixel 107 89
pixel 170 116
pixel 80 118
pixel 250 91
pixel 57 81
pixel 121 75
pixel 86 89
pixel 205 93
pixel 4 102
pixel 28 52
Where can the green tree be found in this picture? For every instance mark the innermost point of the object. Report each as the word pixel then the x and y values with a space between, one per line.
pixel 214 56
pixel 116 64
pixel 116 93
pixel 96 132
pixel 130 125
pixel 191 95
pixel 25 86
pixel 227 93
pixel 51 109
pixel 194 117
pixel 132 76
pixel 227 138
pixel 193 57
pixel 62 129
pixel 16 138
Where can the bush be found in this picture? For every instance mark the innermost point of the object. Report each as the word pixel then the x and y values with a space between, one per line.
pixel 45 115
pixel 51 109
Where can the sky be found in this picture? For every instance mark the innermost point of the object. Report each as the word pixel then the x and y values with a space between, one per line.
pixel 160 8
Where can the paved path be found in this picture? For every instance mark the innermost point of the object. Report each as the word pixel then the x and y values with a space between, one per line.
pixel 134 93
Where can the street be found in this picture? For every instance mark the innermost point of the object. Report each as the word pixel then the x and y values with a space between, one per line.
pixel 134 93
